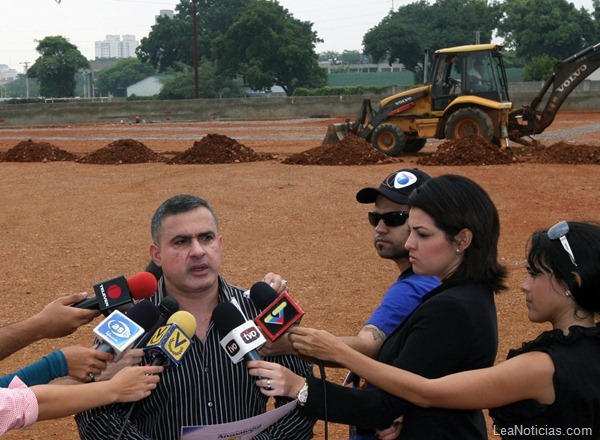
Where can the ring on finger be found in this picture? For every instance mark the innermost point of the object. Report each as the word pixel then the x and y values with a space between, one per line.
pixel 268 386
pixel 92 377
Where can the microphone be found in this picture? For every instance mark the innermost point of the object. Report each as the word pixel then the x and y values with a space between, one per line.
pixel 170 342
pixel 166 308
pixel 240 338
pixel 154 269
pixel 118 293
pixel 279 312
pixel 119 331
pixel 169 347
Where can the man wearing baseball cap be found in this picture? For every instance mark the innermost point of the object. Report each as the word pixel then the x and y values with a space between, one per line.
pixel 388 218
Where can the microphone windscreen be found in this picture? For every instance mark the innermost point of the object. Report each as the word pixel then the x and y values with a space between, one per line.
pixel 262 295
pixel 185 320
pixel 226 317
pixel 142 285
pixel 144 314
pixel 154 269
pixel 167 306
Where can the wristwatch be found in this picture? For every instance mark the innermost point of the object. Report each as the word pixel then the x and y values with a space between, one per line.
pixel 303 394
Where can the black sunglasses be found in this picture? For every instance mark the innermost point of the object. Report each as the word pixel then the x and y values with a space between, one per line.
pixel 391 219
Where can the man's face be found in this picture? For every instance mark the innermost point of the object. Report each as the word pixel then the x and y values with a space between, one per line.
pixel 389 241
pixel 189 252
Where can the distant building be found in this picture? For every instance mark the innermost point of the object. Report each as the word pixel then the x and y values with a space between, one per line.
pixel 7 74
pixel 165 13
pixel 115 46
pixel 334 66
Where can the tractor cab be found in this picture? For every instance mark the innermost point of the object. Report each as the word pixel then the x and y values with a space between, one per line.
pixel 475 70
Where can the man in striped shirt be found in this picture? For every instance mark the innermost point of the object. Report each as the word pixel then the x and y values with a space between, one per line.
pixel 206 388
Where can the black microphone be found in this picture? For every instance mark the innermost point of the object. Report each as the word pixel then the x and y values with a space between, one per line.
pixel 119 331
pixel 240 338
pixel 166 307
pixel 279 312
pixel 154 269
pixel 170 342
pixel 119 293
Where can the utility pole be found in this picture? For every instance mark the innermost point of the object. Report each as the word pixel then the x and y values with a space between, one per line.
pixel 26 64
pixel 477 35
pixel 195 55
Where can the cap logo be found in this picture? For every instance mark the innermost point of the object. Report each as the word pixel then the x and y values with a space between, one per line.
pixel 403 179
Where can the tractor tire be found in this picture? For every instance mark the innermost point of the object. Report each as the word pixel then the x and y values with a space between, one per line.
pixel 414 145
pixel 388 139
pixel 468 121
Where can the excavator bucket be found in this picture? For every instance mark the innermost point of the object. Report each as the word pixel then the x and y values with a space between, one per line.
pixel 335 133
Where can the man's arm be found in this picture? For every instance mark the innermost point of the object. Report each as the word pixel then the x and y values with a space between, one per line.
pixel 55 320
pixel 368 341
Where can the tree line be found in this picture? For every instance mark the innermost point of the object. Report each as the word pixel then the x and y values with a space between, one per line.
pixel 260 44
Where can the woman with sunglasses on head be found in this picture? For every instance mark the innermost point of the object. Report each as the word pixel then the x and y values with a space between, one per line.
pixel 454 232
pixel 549 387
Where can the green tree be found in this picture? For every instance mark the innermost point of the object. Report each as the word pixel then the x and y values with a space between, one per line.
pixel 18 87
pixel 277 49
pixel 125 72
pixel 171 39
pixel 331 55
pixel 539 68
pixel 351 57
pixel 56 67
pixel 211 84
pixel 404 35
pixel 546 27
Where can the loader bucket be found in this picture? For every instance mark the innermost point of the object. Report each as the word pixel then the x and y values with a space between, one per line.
pixel 335 133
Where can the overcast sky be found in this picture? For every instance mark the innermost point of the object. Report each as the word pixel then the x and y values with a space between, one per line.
pixel 340 23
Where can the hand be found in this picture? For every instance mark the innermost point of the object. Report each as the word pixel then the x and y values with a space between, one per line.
pixel 282 346
pixel 391 433
pixel 276 282
pixel 135 383
pixel 129 358
pixel 281 381
pixel 84 361
pixel 59 319
pixel 316 344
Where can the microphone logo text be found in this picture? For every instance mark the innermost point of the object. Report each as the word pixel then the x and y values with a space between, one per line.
pixel 249 335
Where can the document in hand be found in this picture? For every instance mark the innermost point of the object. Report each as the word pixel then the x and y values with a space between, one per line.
pixel 240 430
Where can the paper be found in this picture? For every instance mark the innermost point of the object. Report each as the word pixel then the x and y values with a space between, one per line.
pixel 240 430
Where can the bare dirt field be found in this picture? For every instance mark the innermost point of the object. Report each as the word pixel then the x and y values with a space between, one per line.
pixel 68 224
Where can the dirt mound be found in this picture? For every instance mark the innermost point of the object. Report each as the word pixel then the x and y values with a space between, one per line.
pixel 566 153
pixel 30 151
pixel 469 150
pixel 120 152
pixel 352 150
pixel 217 148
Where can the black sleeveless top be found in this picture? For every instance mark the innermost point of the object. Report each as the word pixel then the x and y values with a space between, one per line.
pixel 575 412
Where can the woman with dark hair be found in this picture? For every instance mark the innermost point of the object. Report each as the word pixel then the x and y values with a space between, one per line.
pixel 454 235
pixel 548 388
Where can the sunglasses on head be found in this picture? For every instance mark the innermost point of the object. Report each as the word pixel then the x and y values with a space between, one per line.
pixel 390 219
pixel 559 232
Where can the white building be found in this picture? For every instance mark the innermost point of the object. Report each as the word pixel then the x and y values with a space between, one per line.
pixel 165 13
pixel 115 46
pixel 7 74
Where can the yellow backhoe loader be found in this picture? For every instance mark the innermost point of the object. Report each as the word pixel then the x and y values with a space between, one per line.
pixel 466 93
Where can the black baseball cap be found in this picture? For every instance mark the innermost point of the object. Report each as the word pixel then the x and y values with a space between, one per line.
pixel 395 187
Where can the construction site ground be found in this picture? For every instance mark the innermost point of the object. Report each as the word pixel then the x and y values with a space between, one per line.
pixel 77 202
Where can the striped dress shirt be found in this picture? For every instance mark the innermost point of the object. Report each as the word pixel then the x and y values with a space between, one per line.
pixel 205 389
